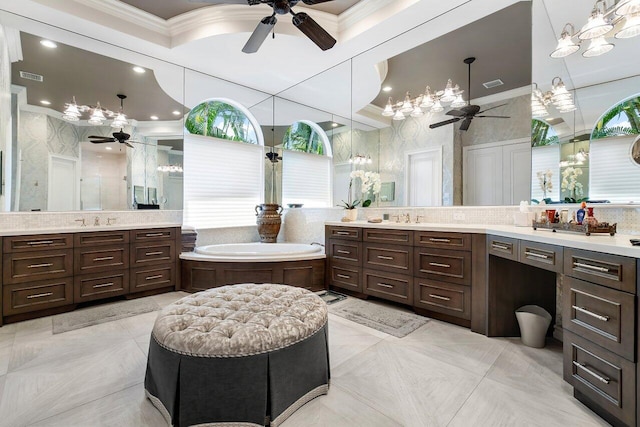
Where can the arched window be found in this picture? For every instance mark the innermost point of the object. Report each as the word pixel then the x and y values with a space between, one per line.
pixel 306 166
pixel 545 160
pixel 224 170
pixel 622 119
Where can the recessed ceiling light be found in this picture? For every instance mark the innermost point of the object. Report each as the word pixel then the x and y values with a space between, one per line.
pixel 139 70
pixel 387 89
pixel 48 43
pixel 335 125
pixel 176 113
pixel 108 148
pixel 154 117
pixel 45 102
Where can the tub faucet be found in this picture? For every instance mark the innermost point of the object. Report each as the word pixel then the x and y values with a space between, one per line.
pixel 316 243
pixel 96 221
pixel 407 218
pixel 81 221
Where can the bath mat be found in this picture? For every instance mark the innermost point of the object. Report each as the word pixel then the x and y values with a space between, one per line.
pixel 330 296
pixel 391 320
pixel 100 314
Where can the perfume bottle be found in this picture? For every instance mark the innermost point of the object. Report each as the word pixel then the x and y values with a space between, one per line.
pixel 580 214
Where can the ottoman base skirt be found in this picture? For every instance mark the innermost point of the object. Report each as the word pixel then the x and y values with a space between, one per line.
pixel 252 390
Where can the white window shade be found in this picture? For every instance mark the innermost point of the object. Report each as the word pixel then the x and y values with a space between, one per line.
pixel 542 159
pixel 223 182
pixel 306 179
pixel 612 175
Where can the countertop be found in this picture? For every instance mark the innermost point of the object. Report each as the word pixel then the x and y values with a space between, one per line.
pixel 86 229
pixel 617 245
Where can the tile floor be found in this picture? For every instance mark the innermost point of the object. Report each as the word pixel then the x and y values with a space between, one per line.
pixel 439 375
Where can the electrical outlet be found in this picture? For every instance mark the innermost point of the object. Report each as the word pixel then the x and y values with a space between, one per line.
pixel 458 216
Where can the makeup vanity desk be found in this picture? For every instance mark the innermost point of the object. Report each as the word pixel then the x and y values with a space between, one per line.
pixel 478 275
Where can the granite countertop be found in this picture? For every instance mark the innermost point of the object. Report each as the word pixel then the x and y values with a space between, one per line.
pixel 86 229
pixel 617 245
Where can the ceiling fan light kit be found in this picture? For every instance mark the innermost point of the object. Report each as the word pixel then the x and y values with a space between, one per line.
pixel 98 114
pixel 619 16
pixel 559 96
pixel 121 137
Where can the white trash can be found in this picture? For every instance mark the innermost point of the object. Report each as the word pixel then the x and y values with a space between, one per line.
pixel 534 322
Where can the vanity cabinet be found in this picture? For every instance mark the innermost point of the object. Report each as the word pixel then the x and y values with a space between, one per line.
pixel 343 246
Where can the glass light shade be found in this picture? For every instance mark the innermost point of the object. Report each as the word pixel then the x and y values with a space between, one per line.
pixel 398 115
pixel 595 27
pixel 427 99
pixel 437 107
pixel 458 102
pixel 448 95
pixel 597 47
pixel 628 7
pixel 120 121
pixel 417 111
pixel 70 117
pixel 407 106
pixel 631 27
pixel 369 161
pixel 72 110
pixel 567 109
pixel 388 110
pixel 565 47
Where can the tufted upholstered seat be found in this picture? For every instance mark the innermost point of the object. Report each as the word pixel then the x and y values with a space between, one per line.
pixel 246 354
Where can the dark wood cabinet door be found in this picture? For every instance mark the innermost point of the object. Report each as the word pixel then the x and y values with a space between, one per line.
pixel 541 255
pixel 90 287
pixel 346 277
pixel 153 234
pixel 445 265
pixel 35 296
pixel 153 253
pixel 152 277
pixel 344 252
pixel 443 240
pixel 381 235
pixel 503 247
pixel 37 242
pixel 613 271
pixel 22 267
pixel 391 286
pixel 101 238
pixel 101 258
pixel 344 233
pixel 443 297
pixel 392 258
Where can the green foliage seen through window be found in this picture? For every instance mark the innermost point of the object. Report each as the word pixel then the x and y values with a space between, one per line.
pixel 220 120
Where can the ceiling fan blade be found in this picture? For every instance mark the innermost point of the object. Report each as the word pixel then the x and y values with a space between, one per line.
pixel 260 34
pixel 446 122
pixel 471 110
pixel 314 31
pixel 501 105
pixel 312 2
pixel 465 123
pixel 128 145
pixel 249 2
pixel 456 113
pixel 102 141
pixel 497 117
pixel 99 137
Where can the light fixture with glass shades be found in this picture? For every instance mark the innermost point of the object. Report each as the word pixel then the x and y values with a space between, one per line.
pixel 360 159
pixel 97 114
pixel 617 18
pixel 559 96
pixel 170 168
pixel 425 102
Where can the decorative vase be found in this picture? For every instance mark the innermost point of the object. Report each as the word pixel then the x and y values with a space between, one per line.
pixel 268 220
pixel 351 214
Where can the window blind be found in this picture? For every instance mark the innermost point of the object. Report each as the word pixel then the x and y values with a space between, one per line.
pixel 306 178
pixel 223 182
pixel 543 158
pixel 612 174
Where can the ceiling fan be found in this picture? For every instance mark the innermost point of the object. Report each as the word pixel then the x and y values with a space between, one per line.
pixel 301 20
pixel 273 156
pixel 468 112
pixel 121 137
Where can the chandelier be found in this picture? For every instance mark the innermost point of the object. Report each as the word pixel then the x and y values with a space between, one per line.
pixel 426 102
pixel 97 114
pixel 559 96
pixel 170 168
pixel 359 159
pixel 599 25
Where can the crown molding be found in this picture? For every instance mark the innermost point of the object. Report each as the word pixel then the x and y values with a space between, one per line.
pixel 14 45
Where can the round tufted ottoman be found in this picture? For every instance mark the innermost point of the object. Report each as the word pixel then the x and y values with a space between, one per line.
pixel 241 355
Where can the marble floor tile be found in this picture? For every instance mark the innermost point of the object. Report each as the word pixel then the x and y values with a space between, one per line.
pixel 143 342
pixel 6 348
pixel 347 340
pixel 338 409
pixel 357 326
pixel 168 298
pixel 405 385
pixel 140 324
pixel 42 327
pixel 129 407
pixel 9 329
pixel 493 404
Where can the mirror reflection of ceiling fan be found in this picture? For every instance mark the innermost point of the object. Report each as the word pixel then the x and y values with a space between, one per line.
pixel 469 112
pixel 121 137
pixel 301 20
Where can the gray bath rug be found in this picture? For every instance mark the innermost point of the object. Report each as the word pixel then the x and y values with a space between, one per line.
pixel 103 313
pixel 388 319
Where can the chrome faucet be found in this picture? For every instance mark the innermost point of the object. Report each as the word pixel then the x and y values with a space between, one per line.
pixel 81 220
pixel 96 221
pixel 111 219
pixel 418 218
pixel 316 243
pixel 407 218
pixel 397 217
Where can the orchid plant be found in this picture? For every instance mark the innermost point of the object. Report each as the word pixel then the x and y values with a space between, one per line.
pixel 570 182
pixel 544 178
pixel 370 184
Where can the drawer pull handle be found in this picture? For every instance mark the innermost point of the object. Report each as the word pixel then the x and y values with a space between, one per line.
pixel 46 294
pixel 41 242
pixel 153 253
pixel 440 297
pixel 591 372
pixel 340 251
pixel 503 247
pixel 343 276
pixel 154 234
pixel 157 276
pixel 437 264
pixel 384 285
pixel 342 233
pixel 536 255
pixel 590 313
pixel 433 239
pixel 103 285
pixel 385 257
pixel 591 267
pixel 48 264
pixel 103 258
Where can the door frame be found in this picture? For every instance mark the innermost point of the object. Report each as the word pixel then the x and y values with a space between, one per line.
pixel 407 159
pixel 76 179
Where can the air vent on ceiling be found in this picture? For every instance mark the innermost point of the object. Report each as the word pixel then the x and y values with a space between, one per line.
pixel 493 83
pixel 31 76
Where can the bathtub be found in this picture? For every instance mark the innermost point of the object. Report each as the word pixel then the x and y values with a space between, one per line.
pixel 256 252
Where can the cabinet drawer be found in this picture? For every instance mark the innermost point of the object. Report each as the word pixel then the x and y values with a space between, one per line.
pixel 396 237
pixel 345 252
pixel 440 264
pixel 388 258
pixel 447 298
pixel 152 253
pixel 152 278
pixel 102 258
pixel 605 378
pixel 443 240
pixel 390 286
pixel 614 271
pixel 29 266
pixel 504 247
pixel 548 257
pixel 152 234
pixel 89 287
pixel 36 296
pixel 348 233
pixel 346 277
pixel 101 238
pixel 37 243
pixel 602 315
